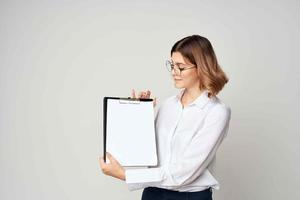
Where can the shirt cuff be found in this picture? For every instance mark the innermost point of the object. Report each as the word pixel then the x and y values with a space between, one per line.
pixel 143 175
pixel 136 186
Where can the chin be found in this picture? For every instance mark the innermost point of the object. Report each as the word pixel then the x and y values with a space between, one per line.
pixel 178 86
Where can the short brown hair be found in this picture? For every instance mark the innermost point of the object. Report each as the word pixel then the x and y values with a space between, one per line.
pixel 199 51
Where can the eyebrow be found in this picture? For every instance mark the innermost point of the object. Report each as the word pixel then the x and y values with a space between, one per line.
pixel 178 62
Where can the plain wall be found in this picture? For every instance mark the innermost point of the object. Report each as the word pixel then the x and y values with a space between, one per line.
pixel 58 59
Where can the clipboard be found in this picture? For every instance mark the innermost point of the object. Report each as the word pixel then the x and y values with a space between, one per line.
pixel 129 131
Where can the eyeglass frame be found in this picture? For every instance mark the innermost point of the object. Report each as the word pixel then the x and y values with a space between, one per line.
pixel 169 62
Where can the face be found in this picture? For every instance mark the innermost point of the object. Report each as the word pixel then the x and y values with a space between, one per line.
pixel 187 78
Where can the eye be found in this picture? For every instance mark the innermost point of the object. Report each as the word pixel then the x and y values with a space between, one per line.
pixel 180 66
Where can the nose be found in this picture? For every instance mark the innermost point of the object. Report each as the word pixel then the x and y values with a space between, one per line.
pixel 175 73
pixel 176 77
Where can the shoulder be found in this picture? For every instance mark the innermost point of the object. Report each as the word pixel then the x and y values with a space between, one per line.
pixel 218 110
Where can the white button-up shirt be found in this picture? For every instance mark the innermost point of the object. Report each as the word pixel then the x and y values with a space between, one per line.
pixel 187 141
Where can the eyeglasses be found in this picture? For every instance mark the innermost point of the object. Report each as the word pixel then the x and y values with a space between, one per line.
pixel 177 67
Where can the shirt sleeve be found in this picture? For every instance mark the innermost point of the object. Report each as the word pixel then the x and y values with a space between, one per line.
pixel 194 161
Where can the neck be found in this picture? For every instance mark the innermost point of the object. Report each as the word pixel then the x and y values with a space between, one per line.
pixel 190 94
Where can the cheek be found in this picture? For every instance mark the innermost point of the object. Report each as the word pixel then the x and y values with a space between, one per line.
pixel 190 78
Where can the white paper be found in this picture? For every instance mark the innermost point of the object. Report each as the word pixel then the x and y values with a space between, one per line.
pixel 130 133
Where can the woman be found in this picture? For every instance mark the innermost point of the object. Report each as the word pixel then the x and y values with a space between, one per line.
pixel 190 127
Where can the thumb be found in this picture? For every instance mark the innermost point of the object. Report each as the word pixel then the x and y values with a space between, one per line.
pixel 110 157
pixel 133 93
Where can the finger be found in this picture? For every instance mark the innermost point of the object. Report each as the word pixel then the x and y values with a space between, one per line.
pixel 154 101
pixel 104 167
pixel 140 95
pixel 110 157
pixel 102 163
pixel 133 93
pixel 145 95
pixel 107 160
pixel 148 93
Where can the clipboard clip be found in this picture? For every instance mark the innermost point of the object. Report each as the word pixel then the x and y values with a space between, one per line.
pixel 130 100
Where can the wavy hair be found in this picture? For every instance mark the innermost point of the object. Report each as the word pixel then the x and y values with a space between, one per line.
pixel 199 51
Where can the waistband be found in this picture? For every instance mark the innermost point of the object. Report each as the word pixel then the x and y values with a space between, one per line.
pixel 175 191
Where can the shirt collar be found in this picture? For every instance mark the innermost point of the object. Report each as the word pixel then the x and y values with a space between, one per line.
pixel 200 101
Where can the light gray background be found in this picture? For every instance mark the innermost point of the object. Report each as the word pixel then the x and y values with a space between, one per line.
pixel 59 58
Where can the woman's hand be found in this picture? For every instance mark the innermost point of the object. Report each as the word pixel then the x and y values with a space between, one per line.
pixel 113 168
pixel 143 95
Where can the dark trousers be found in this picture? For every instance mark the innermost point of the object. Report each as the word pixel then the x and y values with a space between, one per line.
pixel 154 193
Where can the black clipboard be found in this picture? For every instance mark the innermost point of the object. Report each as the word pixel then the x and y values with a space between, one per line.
pixel 121 100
